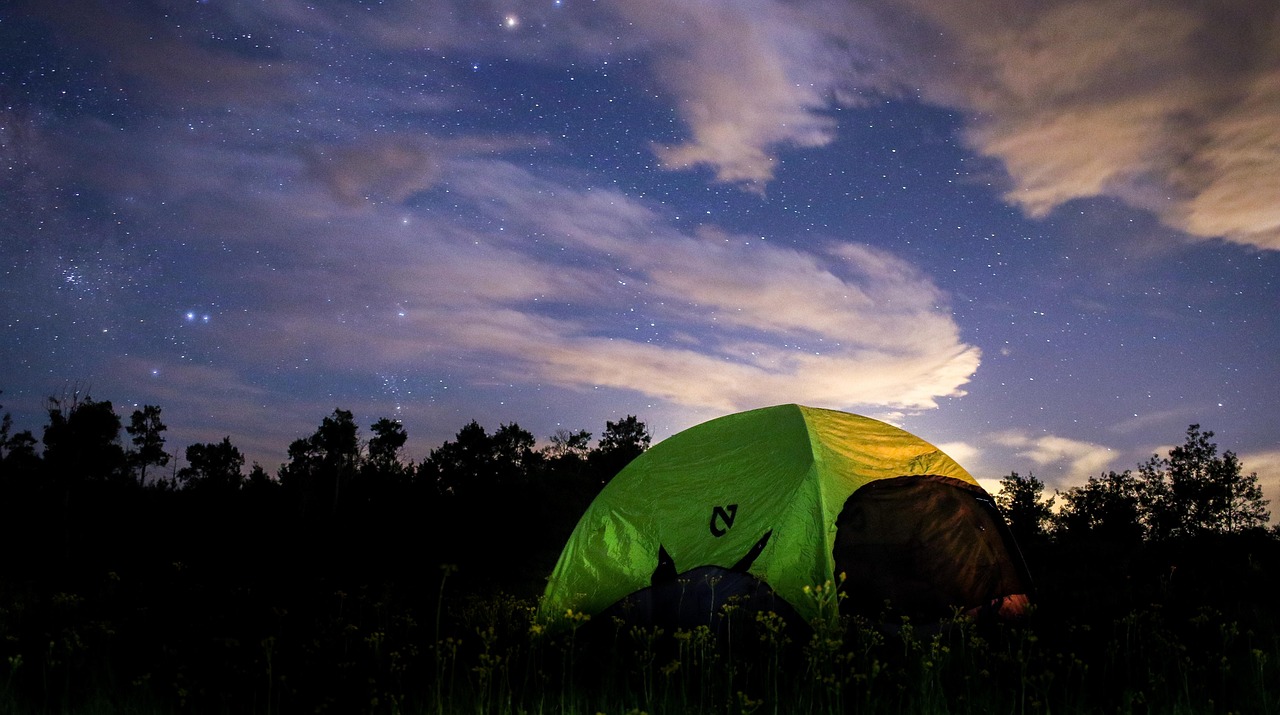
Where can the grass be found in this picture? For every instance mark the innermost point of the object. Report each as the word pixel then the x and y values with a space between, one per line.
pixel 365 652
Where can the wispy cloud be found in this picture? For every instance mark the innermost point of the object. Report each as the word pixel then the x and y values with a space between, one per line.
pixel 1074 459
pixel 172 60
pixel 742 81
pixel 328 264
pixel 379 170
pixel 704 320
pixel 1170 107
pixel 1267 466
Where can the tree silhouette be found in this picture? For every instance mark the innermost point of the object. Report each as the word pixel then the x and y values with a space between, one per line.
pixel 476 460
pixel 18 458
pixel 145 430
pixel 621 442
pixel 213 466
pixel 1107 507
pixel 461 464
pixel 382 475
pixel 320 465
pixel 82 441
pixel 384 447
pixel 568 446
pixel 1194 490
pixel 1021 502
pixel 258 480
pixel 515 459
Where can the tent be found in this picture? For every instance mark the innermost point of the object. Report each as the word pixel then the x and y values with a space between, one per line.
pixel 770 503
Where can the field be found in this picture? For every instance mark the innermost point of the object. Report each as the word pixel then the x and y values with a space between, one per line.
pixel 161 647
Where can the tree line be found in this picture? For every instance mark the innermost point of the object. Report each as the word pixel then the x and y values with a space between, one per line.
pixel 212 578
pixel 82 442
pixel 96 491
pixel 1193 491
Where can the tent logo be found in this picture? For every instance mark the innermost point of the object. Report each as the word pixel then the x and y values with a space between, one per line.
pixel 723 515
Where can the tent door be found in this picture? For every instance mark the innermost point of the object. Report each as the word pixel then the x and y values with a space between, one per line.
pixel 925 545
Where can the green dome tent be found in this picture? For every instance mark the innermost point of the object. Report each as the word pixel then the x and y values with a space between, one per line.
pixel 793 496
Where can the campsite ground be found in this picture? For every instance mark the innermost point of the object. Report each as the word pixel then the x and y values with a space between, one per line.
pixel 294 616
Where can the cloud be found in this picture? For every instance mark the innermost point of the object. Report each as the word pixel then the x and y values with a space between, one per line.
pixel 1073 457
pixel 540 282
pixel 528 280
pixel 961 452
pixel 169 57
pixel 742 81
pixel 743 78
pixel 382 169
pixel 1266 464
pixel 759 323
pixel 1171 107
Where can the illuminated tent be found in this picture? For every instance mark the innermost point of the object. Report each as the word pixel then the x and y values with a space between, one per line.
pixel 768 502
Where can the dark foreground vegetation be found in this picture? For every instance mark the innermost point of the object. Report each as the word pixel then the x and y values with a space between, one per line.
pixel 350 581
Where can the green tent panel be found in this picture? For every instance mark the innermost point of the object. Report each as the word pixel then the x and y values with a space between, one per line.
pixel 784 476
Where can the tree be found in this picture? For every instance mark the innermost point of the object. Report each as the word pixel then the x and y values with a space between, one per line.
pixel 321 464
pixel 568 446
pixel 570 483
pixel 463 463
pixel 621 442
pixel 81 448
pixel 1194 490
pixel 1107 507
pixel 383 477
pixel 476 460
pixel 18 458
pixel 18 452
pixel 1021 502
pixel 213 466
pixel 145 428
pixel 82 441
pixel 259 481
pixel 384 447
pixel 515 459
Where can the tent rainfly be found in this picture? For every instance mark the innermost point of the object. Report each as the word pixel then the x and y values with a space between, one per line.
pixel 783 499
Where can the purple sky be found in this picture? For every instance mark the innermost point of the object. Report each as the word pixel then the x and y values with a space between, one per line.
pixel 1042 235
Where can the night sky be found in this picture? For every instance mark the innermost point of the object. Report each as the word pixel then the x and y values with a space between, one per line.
pixel 1042 235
